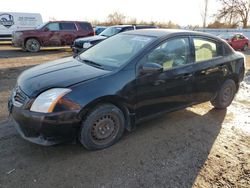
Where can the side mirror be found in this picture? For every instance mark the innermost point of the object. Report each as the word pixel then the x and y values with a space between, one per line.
pixel 151 68
pixel 46 29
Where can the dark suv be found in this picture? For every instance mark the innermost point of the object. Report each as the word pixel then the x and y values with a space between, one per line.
pixel 55 33
pixel 81 44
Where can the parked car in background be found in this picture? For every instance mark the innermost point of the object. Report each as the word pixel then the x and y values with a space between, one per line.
pixel 99 29
pixel 14 21
pixel 126 79
pixel 237 41
pixel 54 33
pixel 84 43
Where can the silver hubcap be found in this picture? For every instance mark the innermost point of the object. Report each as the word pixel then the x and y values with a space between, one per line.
pixel 33 45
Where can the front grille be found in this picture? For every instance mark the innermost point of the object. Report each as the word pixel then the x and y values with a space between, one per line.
pixel 19 97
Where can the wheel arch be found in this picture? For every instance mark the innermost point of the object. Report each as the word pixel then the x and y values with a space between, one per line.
pixel 118 102
pixel 30 37
pixel 235 78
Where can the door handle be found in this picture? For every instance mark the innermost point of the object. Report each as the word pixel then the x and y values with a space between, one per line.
pixel 187 76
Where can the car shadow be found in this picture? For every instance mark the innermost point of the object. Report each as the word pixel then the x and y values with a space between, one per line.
pixel 168 151
pixel 247 77
pixel 12 52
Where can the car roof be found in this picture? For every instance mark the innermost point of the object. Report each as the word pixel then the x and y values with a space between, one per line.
pixel 66 21
pixel 121 26
pixel 165 32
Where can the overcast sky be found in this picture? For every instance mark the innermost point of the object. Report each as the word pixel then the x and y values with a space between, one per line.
pixel 182 12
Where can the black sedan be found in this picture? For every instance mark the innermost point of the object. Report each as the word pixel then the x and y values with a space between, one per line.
pixel 104 91
pixel 84 43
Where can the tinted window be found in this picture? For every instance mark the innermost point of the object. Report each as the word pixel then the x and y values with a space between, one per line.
pixel 68 26
pixel 127 29
pixel 85 26
pixel 144 27
pixel 170 54
pixel 206 49
pixel 53 26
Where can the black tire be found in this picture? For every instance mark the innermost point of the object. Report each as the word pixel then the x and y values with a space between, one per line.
pixel 102 127
pixel 245 48
pixel 225 95
pixel 32 45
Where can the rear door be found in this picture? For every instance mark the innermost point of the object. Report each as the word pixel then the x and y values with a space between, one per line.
pixel 209 68
pixel 171 88
pixel 68 32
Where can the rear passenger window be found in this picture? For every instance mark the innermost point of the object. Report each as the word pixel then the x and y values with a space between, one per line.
pixel 206 49
pixel 85 26
pixel 68 26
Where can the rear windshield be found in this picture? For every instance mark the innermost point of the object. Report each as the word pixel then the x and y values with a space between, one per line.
pixel 110 31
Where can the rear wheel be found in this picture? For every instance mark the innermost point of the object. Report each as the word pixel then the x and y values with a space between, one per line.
pixel 103 127
pixel 225 95
pixel 32 45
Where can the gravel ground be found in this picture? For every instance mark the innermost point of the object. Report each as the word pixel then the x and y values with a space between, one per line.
pixel 195 147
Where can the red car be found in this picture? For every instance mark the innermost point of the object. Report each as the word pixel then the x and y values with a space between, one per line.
pixel 56 33
pixel 237 41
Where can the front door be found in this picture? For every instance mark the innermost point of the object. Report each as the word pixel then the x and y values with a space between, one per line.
pixel 171 88
pixel 51 35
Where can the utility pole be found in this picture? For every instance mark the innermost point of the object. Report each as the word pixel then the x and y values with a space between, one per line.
pixel 205 14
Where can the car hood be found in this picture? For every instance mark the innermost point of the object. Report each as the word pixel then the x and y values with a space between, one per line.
pixel 90 39
pixel 60 73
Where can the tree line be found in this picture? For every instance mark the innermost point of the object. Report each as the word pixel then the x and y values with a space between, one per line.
pixel 231 14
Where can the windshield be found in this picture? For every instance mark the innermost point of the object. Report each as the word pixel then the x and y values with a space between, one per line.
pixel 115 51
pixel 110 31
pixel 41 26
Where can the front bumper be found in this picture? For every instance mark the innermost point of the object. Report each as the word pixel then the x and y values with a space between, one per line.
pixel 46 129
pixel 17 42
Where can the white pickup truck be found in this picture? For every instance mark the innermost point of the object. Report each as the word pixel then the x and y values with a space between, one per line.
pixel 13 21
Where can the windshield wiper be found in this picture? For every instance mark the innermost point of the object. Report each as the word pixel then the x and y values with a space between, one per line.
pixel 91 62
pixel 104 35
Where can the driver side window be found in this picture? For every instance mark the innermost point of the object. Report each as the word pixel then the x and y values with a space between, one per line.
pixel 171 54
pixel 53 26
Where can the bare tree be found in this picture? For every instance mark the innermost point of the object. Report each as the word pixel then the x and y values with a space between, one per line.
pixel 234 12
pixel 116 18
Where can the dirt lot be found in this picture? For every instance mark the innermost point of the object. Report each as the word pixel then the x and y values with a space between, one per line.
pixel 195 147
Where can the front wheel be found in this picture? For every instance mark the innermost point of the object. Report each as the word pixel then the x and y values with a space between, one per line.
pixel 32 45
pixel 225 95
pixel 245 47
pixel 103 127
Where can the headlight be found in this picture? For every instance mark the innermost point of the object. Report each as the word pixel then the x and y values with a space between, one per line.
pixel 87 45
pixel 47 100
pixel 17 34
